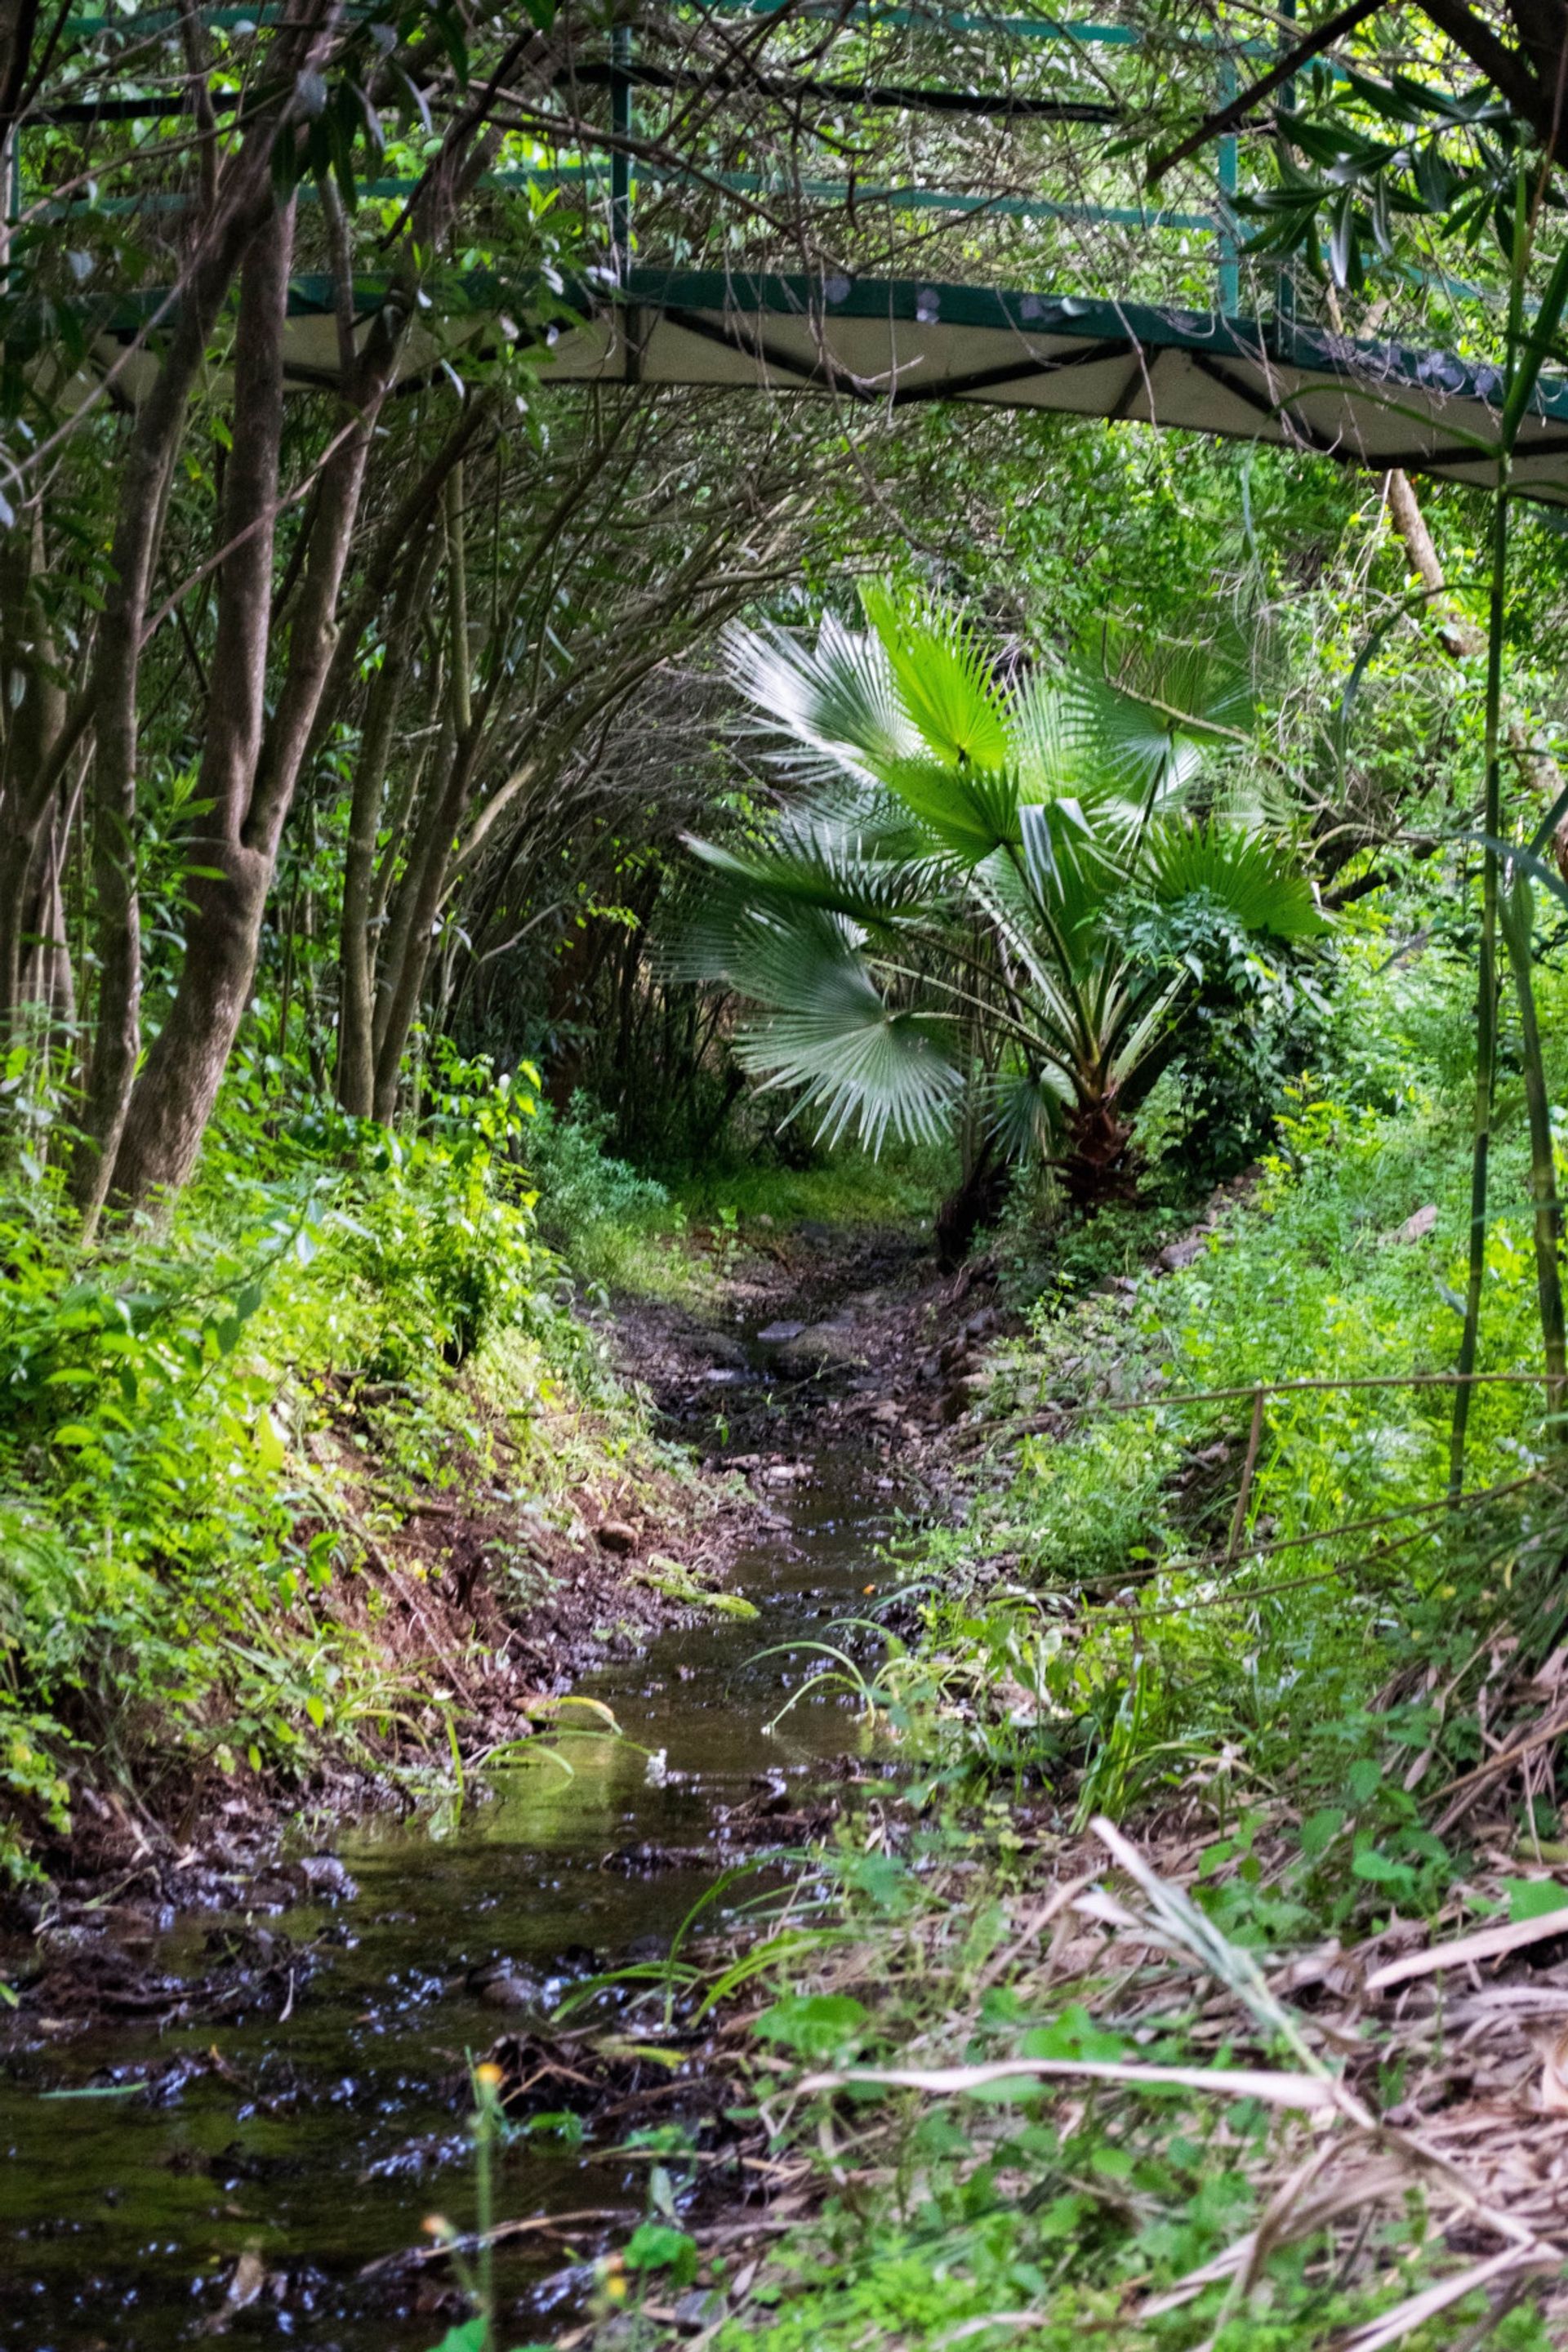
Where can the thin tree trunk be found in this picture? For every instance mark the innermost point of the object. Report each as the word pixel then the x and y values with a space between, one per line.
pixel 245 201
pixel 178 1088
pixel 30 775
pixel 1517 914
pixel 228 886
pixel 356 1042
pixel 425 879
pixel 1486 1001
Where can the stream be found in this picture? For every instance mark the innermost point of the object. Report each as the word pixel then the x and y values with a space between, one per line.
pixel 140 2171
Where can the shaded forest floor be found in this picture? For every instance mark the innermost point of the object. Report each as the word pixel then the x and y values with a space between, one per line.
pixel 1085 2001
pixel 1237 2066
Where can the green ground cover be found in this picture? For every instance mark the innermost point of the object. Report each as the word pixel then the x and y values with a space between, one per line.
pixel 1269 1707
pixel 210 1422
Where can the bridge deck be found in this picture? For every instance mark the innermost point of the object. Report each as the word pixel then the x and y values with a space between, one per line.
pixel 889 344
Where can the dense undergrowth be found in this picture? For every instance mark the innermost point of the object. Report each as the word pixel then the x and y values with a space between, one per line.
pixel 211 1425
pixel 1264 1648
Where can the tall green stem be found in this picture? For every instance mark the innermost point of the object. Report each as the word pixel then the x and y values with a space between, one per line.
pixel 1486 987
pixel 1518 917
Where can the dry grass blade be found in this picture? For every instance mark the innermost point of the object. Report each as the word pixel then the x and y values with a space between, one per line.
pixel 1310 2093
pixel 1486 1943
pixel 1417 2309
pixel 1184 1925
pixel 1472 1785
pixel 1291 2215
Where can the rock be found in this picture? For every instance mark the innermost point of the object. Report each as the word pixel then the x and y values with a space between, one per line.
pixel 776 1333
pixel 617 1536
pixel 509 1989
pixel 326 1879
pixel 1176 1254
pixel 822 1344
pixel 980 1327
pixel 700 2310
pixel 963 1393
pixel 1417 1228
pixel 677 1582
pixel 763 1220
pixel 723 1349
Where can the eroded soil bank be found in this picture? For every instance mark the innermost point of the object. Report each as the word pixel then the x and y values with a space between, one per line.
pixel 241 2114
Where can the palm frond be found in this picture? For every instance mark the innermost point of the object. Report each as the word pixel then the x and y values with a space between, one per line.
pixel 1024 1112
pixel 970 811
pixel 945 684
pixel 1147 716
pixel 820 864
pixel 1246 873
pixel 836 699
pixel 827 1028
pixel 1046 744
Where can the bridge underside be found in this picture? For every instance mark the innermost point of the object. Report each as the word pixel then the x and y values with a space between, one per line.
pixel 889 344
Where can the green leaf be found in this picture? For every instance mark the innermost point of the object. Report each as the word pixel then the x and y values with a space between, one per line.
pixel 1248 875
pixel 658 2247
pixel 1533 1899
pixel 1319 1830
pixel 814 2025
pixel 468 2336
pixel 1379 1870
pixel 945 684
pixel 75 1432
pixel 269 1448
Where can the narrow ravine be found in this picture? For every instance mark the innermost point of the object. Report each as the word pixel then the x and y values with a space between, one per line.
pixel 166 2185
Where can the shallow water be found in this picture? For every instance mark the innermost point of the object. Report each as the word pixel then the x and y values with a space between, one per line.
pixel 329 2137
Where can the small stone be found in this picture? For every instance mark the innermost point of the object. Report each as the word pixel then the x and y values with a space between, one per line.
pixel 1179 1254
pixel 776 1333
pixel 506 1991
pixel 1417 1228
pixel 617 1535
pixel 766 1222
pixel 324 1876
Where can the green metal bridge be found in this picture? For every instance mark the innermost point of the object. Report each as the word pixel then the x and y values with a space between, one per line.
pixel 874 342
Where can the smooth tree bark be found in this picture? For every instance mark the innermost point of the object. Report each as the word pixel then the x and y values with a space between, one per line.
pixel 177 1089
pixel 230 872
pixel 244 204
pixel 32 776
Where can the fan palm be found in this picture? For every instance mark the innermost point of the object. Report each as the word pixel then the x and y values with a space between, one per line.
pixel 965 879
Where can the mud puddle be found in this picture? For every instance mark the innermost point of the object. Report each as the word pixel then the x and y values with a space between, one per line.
pixel 160 2186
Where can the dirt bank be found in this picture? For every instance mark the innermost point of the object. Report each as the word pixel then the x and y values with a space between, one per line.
pixel 487 1609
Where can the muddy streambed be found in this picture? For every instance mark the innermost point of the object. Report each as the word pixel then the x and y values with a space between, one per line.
pixel 306 2147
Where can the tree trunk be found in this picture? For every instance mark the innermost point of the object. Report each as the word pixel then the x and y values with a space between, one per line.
pixel 178 1088
pixel 1098 1166
pixel 245 202
pixel 977 1200
pixel 356 1040
pixel 228 887
pixel 31 768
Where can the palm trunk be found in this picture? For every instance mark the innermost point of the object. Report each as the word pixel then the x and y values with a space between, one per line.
pixel 1098 1166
